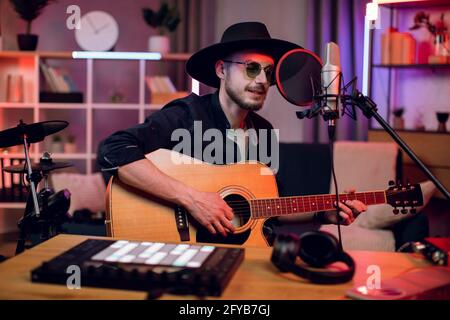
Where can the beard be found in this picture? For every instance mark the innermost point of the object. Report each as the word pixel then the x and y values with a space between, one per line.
pixel 238 98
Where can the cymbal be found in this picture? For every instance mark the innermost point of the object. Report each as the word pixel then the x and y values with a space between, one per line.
pixel 44 167
pixel 35 132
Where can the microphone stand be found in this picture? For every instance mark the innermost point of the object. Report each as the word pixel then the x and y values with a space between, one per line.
pixel 369 109
pixel 330 116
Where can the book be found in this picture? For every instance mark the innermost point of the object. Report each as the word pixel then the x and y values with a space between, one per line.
pixel 61 85
pixel 151 84
pixel 48 78
pixel 169 84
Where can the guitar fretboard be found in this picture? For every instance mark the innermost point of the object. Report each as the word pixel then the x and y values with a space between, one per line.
pixel 264 208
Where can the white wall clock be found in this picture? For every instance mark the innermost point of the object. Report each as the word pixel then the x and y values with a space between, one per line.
pixel 99 31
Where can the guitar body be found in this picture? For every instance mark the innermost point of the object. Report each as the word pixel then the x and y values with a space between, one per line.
pixel 132 214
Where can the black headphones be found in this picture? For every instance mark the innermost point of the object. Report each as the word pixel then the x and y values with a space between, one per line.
pixel 316 248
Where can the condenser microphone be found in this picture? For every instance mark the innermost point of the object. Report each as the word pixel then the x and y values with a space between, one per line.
pixel 331 83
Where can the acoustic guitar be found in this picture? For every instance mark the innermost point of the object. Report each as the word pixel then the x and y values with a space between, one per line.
pixel 249 188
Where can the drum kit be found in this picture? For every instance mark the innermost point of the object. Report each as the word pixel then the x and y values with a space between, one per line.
pixel 45 211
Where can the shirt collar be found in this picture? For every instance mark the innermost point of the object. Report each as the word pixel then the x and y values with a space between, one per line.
pixel 218 111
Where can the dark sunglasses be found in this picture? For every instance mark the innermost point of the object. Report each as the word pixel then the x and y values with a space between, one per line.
pixel 253 69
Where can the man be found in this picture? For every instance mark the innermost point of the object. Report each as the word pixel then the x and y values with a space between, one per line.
pixel 242 67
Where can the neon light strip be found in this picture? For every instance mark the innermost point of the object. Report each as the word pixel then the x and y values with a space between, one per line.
pixel 116 55
pixel 365 79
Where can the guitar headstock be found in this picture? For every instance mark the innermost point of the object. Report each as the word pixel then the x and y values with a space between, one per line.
pixel 400 196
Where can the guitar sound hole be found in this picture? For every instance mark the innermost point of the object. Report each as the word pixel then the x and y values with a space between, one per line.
pixel 241 209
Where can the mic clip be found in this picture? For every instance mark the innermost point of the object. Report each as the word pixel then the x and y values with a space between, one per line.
pixel 310 113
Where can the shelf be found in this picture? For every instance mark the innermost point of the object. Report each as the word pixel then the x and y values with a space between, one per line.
pixel 17 105
pixel 116 106
pixel 413 66
pixel 14 155
pixel 175 56
pixel 411 131
pixel 55 105
pixel 68 55
pixel 12 205
pixel 412 3
pixel 73 156
pixel 42 54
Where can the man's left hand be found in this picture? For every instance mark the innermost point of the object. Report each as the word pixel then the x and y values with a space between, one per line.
pixel 349 210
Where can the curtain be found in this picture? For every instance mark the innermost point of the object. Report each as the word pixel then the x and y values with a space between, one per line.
pixel 340 21
pixel 196 31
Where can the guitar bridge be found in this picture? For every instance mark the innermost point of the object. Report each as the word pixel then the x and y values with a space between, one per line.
pixel 182 223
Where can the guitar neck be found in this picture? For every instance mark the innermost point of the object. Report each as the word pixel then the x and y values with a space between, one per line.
pixel 265 208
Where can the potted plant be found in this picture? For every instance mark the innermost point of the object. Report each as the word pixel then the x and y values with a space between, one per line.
pixel 28 10
pixel 165 20
pixel 57 145
pixel 70 145
pixel 439 31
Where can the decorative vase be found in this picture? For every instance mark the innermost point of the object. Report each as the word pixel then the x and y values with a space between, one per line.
pixel 442 118
pixel 399 122
pixel 159 44
pixel 27 42
pixel 57 147
pixel 70 147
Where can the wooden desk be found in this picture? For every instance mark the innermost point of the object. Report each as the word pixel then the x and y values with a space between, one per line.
pixel 256 279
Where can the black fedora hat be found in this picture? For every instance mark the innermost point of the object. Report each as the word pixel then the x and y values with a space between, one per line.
pixel 238 37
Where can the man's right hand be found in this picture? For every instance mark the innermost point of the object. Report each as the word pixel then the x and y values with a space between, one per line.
pixel 211 211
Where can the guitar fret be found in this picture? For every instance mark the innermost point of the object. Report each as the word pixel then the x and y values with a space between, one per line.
pixel 380 197
pixel 296 207
pixel 261 208
pixel 326 202
pixel 255 209
pixel 322 198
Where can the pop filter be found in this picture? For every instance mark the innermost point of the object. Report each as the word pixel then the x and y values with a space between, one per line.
pixel 298 76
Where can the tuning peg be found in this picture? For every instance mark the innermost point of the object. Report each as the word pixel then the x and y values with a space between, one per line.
pixel 404 211
pixel 396 211
pixel 413 211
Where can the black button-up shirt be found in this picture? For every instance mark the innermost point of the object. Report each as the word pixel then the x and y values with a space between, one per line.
pixel 133 144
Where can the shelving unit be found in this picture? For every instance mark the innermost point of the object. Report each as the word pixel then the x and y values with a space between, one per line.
pixel 389 89
pixel 432 147
pixel 81 115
